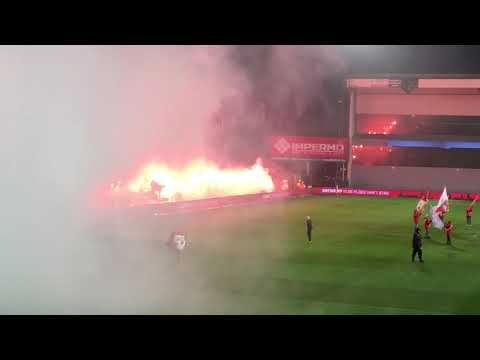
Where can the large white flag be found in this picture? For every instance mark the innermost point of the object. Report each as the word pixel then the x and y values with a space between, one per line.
pixel 442 206
pixel 443 201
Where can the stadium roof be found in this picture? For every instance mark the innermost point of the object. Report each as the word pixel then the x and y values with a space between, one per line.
pixel 409 76
pixel 416 83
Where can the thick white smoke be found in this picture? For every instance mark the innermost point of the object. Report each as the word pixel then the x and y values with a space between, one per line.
pixel 73 117
pixel 286 95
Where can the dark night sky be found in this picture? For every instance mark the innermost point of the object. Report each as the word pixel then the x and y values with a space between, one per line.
pixel 425 59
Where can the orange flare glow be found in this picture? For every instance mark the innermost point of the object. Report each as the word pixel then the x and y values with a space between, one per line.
pixel 201 179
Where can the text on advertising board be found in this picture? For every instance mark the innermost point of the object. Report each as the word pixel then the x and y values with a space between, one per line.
pixel 308 147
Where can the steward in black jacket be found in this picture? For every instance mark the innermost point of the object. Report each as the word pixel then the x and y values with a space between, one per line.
pixel 309 228
pixel 417 245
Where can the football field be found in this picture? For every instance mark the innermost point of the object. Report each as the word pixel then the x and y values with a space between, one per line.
pixel 256 260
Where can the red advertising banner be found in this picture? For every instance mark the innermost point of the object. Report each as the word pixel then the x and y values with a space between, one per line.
pixel 350 191
pixel 390 193
pixel 303 147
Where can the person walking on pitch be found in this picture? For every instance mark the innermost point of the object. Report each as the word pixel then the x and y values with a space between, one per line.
pixel 176 243
pixel 416 217
pixel 468 212
pixel 417 245
pixel 426 224
pixel 448 231
pixel 309 228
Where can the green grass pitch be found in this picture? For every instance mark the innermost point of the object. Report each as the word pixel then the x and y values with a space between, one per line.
pixel 256 260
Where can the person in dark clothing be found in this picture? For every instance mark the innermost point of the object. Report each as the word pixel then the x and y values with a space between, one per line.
pixel 417 245
pixel 309 228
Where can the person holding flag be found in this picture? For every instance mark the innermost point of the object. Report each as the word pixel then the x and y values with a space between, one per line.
pixel 440 212
pixel 421 203
pixel 417 212
pixel 469 210
pixel 437 212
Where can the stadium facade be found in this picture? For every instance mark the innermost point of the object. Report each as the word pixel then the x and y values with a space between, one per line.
pixel 414 131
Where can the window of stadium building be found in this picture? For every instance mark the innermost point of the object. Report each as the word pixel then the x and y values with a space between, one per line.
pixel 417 125
pixel 421 157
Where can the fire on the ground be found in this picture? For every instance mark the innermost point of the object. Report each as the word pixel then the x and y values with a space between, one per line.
pixel 198 180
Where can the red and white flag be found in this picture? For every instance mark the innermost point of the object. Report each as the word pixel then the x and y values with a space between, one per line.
pixel 443 201
pixel 441 207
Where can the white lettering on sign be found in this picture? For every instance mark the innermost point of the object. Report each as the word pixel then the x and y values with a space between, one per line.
pixel 355 192
pixel 329 190
pixel 315 148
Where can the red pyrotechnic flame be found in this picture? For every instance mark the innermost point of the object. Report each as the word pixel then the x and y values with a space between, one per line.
pixel 200 179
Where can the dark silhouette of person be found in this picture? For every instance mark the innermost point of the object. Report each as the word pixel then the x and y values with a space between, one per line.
pixel 309 228
pixel 417 245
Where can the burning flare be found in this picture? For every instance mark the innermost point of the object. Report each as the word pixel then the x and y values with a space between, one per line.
pixel 201 179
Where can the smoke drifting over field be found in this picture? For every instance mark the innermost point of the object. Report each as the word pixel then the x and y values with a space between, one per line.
pixel 286 95
pixel 74 117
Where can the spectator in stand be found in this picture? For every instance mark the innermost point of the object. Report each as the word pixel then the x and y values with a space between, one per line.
pixel 448 231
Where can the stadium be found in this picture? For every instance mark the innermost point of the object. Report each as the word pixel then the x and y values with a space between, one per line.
pixel 404 135
pixel 231 180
